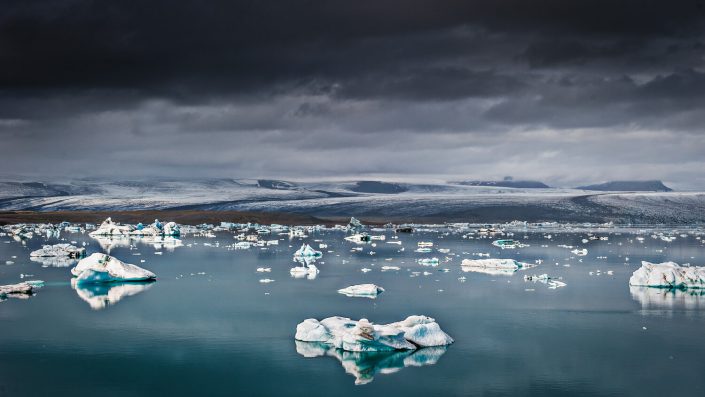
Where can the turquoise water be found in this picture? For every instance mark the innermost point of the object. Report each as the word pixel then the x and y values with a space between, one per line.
pixel 222 332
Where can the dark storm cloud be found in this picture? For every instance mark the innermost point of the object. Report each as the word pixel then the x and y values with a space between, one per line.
pixel 344 87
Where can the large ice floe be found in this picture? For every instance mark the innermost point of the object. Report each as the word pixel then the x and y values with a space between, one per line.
pixel 365 365
pixel 59 250
pixel 668 275
pixel 364 336
pixel 362 290
pixel 101 295
pixel 102 268
pixel 494 266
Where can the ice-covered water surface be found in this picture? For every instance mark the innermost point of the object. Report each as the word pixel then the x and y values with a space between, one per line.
pixel 209 326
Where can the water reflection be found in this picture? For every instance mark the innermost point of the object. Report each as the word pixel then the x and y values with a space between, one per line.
pixel 54 261
pixel 100 296
pixel 305 268
pixel 365 365
pixel 168 243
pixel 669 298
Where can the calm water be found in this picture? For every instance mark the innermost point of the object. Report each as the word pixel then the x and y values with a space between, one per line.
pixel 225 333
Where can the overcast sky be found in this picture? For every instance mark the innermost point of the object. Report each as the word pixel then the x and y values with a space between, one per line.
pixel 562 91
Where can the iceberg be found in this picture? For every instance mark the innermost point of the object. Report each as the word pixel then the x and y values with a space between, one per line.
pixel 307 252
pixel 102 268
pixel 100 296
pixel 362 290
pixel 359 238
pixel 363 336
pixel 20 290
pixel 59 250
pixel 365 365
pixel 493 266
pixel 110 228
pixel 668 275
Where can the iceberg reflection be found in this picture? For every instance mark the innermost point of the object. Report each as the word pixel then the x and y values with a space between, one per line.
pixel 669 298
pixel 54 261
pixel 100 296
pixel 365 365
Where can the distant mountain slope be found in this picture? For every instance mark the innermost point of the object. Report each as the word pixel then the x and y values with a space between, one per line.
pixel 378 187
pixel 629 186
pixel 507 183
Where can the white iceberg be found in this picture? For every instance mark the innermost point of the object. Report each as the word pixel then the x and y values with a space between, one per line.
pixel 668 275
pixel 494 266
pixel 361 336
pixel 362 290
pixel 110 228
pixel 16 290
pixel 307 252
pixel 102 268
pixel 59 250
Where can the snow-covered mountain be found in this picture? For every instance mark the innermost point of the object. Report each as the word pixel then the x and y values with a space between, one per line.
pixel 371 199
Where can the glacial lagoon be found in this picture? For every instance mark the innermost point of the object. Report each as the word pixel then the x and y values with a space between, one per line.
pixel 209 326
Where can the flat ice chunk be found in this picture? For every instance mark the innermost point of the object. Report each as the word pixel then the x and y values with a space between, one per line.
pixel 362 290
pixel 59 250
pixel 668 275
pixel 360 336
pixel 101 268
pixel 16 289
pixel 501 266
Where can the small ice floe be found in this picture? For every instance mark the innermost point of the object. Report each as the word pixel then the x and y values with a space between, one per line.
pixel 59 250
pixel 444 250
pixel 364 336
pixel 22 290
pixel 359 238
pixel 428 262
pixel 378 238
pixel 365 270
pixel 387 268
pixel 425 244
pixel 508 244
pixel 362 290
pixel 668 275
pixel 493 266
pixel 423 250
pixel 580 252
pixel 264 269
pixel 307 252
pixel 266 280
pixel 102 268
pixel 394 242
pixel 552 282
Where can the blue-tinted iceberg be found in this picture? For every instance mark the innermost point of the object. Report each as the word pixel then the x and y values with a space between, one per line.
pixel 102 268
